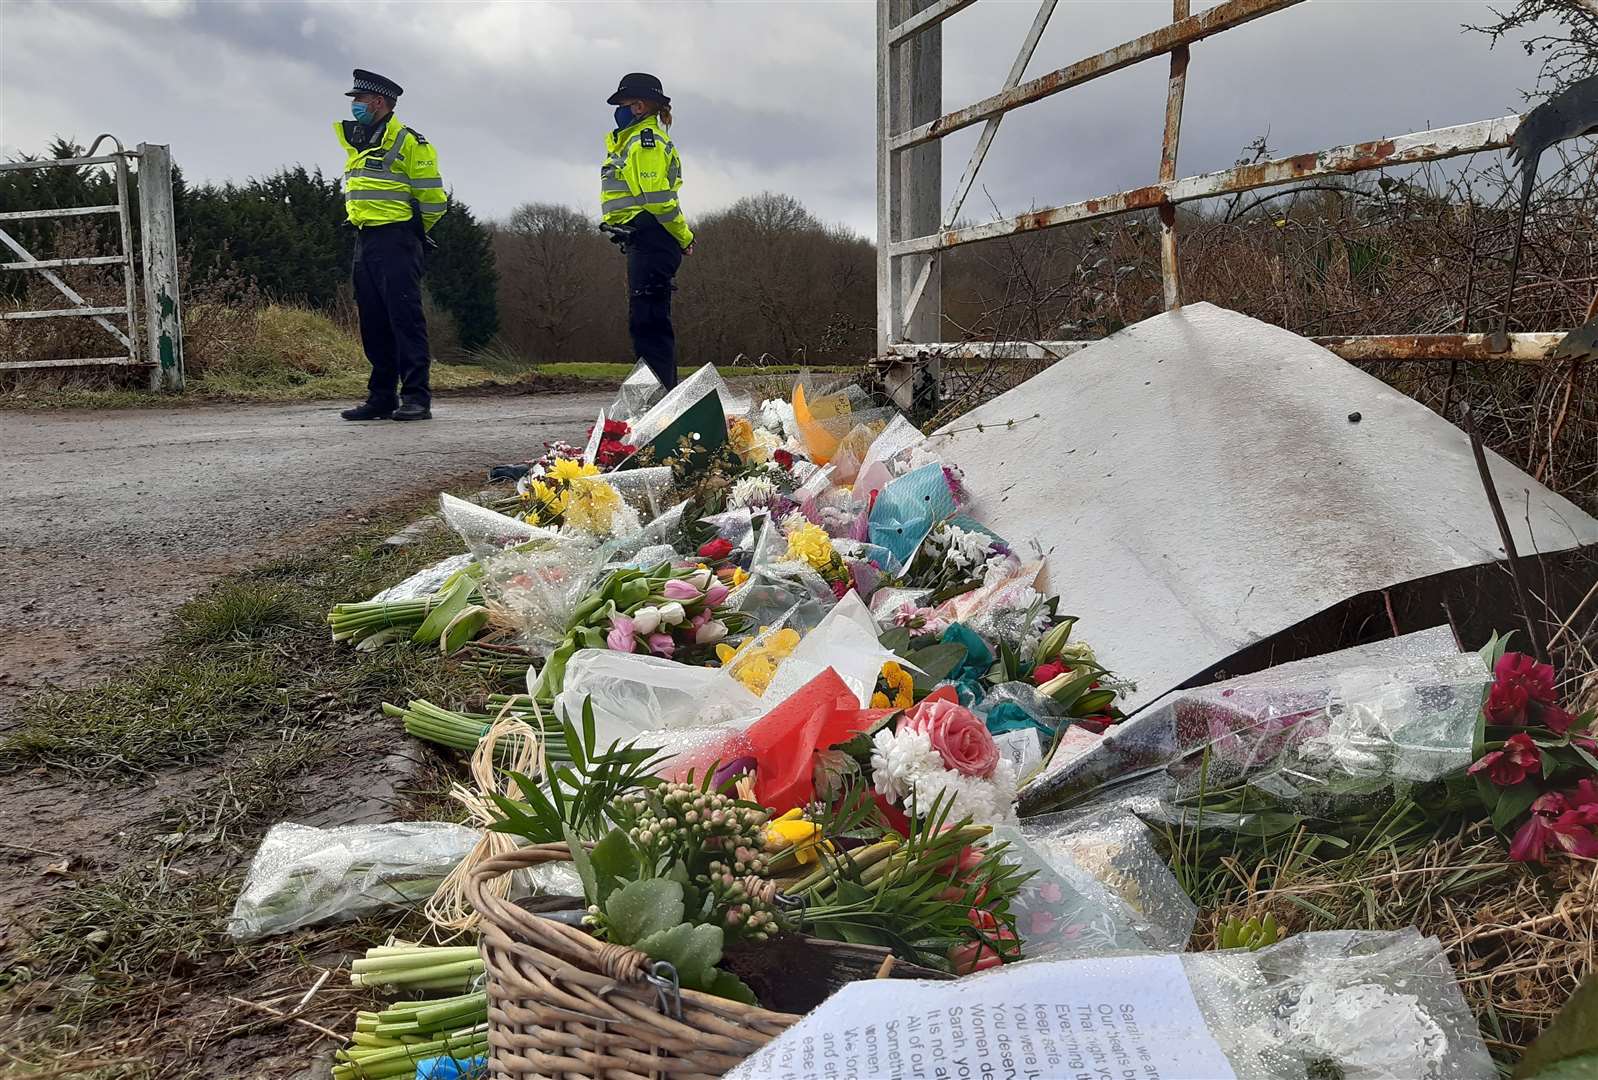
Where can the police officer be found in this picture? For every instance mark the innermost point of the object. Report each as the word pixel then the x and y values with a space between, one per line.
pixel 638 186
pixel 393 196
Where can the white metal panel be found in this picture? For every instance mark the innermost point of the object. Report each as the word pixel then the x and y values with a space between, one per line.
pixel 1199 486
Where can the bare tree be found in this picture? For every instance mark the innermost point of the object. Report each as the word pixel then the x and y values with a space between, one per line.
pixel 1569 47
pixel 551 258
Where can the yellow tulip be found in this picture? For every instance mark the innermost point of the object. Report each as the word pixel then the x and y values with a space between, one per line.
pixel 793 831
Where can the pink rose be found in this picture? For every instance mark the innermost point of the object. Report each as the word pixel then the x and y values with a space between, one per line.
pixel 957 735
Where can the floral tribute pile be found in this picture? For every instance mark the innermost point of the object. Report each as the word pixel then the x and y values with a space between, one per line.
pixel 785 685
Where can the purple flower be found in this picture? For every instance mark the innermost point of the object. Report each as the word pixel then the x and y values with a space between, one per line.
pixel 731 771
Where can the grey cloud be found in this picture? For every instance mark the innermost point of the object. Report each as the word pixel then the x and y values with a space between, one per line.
pixel 767 95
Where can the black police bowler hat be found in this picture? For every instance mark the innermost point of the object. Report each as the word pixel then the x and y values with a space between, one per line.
pixel 640 85
pixel 370 82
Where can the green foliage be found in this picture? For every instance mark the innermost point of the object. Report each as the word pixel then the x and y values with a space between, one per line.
pixel 643 908
pixel 1256 933
pixel 462 276
pixel 577 800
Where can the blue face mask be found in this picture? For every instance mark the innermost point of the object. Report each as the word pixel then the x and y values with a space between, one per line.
pixel 362 112
pixel 624 116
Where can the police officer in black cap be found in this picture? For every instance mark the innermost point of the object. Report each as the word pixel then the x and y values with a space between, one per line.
pixel 638 185
pixel 393 196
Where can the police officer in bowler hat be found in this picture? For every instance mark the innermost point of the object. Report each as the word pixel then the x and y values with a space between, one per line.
pixel 638 185
pixel 393 196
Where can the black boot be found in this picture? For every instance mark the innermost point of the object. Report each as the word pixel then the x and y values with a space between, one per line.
pixel 411 411
pixel 368 411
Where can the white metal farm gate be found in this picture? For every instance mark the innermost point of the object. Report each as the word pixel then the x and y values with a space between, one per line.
pixel 161 346
pixel 914 228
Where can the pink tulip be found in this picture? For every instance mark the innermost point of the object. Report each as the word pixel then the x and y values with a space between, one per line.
pixel 622 636
pixel 716 594
pixel 662 645
pixel 677 589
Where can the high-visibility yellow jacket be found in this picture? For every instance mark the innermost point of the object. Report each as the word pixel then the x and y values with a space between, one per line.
pixel 381 179
pixel 643 172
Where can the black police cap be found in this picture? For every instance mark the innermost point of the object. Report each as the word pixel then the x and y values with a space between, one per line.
pixel 370 82
pixel 640 85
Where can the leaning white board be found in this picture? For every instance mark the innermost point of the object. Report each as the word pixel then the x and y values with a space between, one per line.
pixel 1198 486
pixel 1110 1018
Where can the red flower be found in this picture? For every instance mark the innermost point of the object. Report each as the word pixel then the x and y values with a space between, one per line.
pixel 1531 839
pixel 1555 719
pixel 1512 764
pixel 1584 794
pixel 840 589
pixel 616 429
pixel 715 549
pixel 1520 685
pixel 1574 831
pixel 1044 672
pixel 783 459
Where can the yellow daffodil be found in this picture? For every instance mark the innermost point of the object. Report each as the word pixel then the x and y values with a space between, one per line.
pixel 739 576
pixel 900 684
pixel 754 663
pixel 810 544
pixel 793 831
pixel 591 505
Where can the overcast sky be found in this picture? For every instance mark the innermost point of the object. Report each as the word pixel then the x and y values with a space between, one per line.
pixel 773 95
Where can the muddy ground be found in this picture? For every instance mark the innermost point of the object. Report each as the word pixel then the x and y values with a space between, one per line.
pixel 113 520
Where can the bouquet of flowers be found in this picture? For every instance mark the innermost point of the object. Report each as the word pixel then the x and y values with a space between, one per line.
pixel 1536 763
pixel 672 611
pixel 683 869
pixel 613 448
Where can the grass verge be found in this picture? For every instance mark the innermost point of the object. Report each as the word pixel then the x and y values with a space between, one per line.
pixel 246 714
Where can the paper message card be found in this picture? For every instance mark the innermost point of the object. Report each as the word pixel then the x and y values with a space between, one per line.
pixel 1106 1018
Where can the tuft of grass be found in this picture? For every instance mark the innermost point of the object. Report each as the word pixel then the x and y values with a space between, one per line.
pixel 167 712
pixel 240 610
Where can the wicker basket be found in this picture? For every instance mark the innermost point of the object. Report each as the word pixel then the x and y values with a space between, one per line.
pixel 563 1004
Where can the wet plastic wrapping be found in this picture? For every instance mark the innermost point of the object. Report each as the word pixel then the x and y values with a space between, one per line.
pixel 632 693
pixel 1351 1005
pixel 486 531
pixel 846 641
pixel 302 875
pixel 1307 737
pixel 1361 1005
pixel 1062 910
pixel 680 398
pixel 639 390
pixel 426 582
pixel 1118 851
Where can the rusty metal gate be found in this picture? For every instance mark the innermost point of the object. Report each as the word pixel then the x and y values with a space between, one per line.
pixel 913 229
pixel 161 347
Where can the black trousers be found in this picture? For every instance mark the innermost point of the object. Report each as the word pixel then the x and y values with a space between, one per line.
pixel 388 291
pixel 653 257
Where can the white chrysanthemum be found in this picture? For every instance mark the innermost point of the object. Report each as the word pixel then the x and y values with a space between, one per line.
pixel 751 491
pixel 905 769
pixel 793 522
pixel 897 760
pixel 967 547
pixel 777 415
